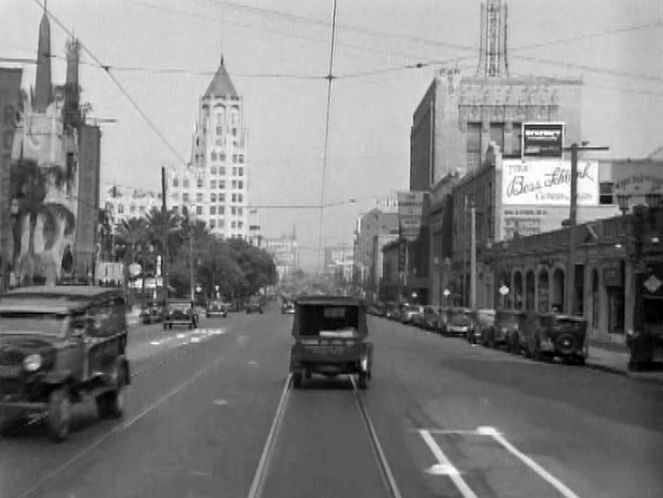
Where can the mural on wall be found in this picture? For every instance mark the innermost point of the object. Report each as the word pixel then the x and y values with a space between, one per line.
pixel 44 184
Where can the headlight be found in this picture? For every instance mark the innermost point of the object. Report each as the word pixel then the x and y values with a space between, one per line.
pixel 32 362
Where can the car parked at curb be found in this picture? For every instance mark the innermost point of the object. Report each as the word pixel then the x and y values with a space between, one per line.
pixel 411 313
pixel 59 346
pixel 180 312
pixel 482 319
pixel 549 335
pixel 504 331
pixel 459 322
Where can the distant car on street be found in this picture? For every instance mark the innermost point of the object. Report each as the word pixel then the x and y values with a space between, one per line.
pixel 411 313
pixel 288 307
pixel 459 322
pixel 254 305
pixel 431 318
pixel 152 313
pixel 180 312
pixel 216 307
pixel 482 319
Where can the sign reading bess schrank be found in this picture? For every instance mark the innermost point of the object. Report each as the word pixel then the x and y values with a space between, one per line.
pixel 548 182
pixel 543 139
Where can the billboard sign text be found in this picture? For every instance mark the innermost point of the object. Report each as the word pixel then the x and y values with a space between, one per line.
pixel 543 140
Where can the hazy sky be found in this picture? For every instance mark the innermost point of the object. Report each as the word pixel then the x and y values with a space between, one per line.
pixel 277 53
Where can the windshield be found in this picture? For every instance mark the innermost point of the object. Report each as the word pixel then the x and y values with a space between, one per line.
pixel 33 323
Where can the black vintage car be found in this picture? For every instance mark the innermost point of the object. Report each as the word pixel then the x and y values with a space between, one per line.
pixel 330 333
pixel 60 345
pixel 548 335
pixel 180 312
pixel 504 331
pixel 254 305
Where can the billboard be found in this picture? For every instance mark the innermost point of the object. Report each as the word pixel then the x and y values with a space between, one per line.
pixel 88 197
pixel 10 87
pixel 410 211
pixel 543 140
pixel 548 182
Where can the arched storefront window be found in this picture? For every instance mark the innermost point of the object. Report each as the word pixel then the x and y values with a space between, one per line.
pixel 544 291
pixel 529 291
pixel 518 290
pixel 595 299
pixel 557 298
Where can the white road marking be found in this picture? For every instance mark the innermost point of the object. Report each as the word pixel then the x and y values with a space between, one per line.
pixel 260 474
pixel 441 469
pixel 556 483
pixel 220 402
pixel 444 462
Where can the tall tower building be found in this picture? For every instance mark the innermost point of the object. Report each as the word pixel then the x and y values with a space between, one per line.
pixel 214 186
pixel 493 60
pixel 43 86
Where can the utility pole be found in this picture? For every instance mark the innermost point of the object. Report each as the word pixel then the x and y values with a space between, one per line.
pixel 164 238
pixel 573 215
pixel 473 256
pixel 191 262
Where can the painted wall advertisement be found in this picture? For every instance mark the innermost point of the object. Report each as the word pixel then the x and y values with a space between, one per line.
pixel 88 197
pixel 548 182
pixel 410 210
pixel 543 140
pixel 10 87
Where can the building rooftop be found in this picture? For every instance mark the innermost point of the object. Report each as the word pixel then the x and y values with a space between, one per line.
pixel 221 85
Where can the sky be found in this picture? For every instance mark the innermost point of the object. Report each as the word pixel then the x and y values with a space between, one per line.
pixel 163 53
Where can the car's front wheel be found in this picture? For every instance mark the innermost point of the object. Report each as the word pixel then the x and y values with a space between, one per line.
pixel 362 380
pixel 112 404
pixel 59 413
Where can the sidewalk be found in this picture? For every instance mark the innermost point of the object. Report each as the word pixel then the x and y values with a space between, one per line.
pixel 611 357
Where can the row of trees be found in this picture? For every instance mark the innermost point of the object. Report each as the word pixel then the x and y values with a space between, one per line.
pixel 234 266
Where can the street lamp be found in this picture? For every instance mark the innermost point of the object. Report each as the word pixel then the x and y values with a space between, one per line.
pixel 623 202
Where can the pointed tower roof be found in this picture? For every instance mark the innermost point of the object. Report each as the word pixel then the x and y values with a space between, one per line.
pixel 221 85
pixel 43 85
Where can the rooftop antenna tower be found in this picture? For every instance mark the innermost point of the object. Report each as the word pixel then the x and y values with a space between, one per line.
pixel 493 56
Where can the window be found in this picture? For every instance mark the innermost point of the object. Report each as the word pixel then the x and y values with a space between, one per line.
pixel 240 184
pixel 606 191
pixel 185 183
pixel 241 160
pixel 212 210
pixel 199 197
pixel 234 171
pixel 516 139
pixel 234 184
pixel 233 224
pixel 222 170
pixel 120 208
pixel 239 211
pixel 497 134
pixel 219 130
pixel 222 197
pixel 240 170
pixel 240 224
pixel 176 196
pixel 213 159
pixel 222 223
pixel 233 211
pixel 199 210
pixel 234 132
pixel 222 156
pixel 240 198
pixel 212 184
pixel 176 182
pixel 212 197
pixel 234 161
pixel 185 198
pixel 222 210
pixel 222 184
pixel 473 145
pixel 199 183
pixel 234 198
pixel 212 224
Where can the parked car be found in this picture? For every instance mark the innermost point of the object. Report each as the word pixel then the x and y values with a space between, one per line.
pixel 409 313
pixel 392 311
pixel 431 318
pixel 459 321
pixel 287 307
pixel 482 319
pixel 548 335
pixel 216 308
pixel 58 346
pixel 504 331
pixel 180 312
pixel 254 305
pixel 330 339
pixel 152 313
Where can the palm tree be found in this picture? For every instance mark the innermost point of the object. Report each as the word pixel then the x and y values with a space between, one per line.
pixel 132 233
pixel 157 223
pixel 29 186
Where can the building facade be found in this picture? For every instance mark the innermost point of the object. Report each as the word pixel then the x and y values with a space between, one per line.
pixel 373 228
pixel 214 186
pixel 286 254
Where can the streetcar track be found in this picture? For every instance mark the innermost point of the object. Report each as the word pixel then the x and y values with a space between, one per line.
pixel 265 461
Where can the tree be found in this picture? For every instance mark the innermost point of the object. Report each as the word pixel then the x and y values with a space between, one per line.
pixel 156 223
pixel 29 186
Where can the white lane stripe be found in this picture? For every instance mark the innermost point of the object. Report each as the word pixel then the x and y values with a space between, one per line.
pixel 260 474
pixel 119 428
pixel 444 462
pixel 556 483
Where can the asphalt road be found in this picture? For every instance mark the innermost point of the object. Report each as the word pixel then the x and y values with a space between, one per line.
pixel 441 418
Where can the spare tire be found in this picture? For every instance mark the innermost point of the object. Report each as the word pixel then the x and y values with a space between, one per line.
pixel 566 344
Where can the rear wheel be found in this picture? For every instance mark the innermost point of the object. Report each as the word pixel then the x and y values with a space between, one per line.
pixel 297 380
pixel 59 414
pixel 362 380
